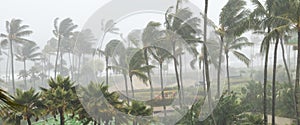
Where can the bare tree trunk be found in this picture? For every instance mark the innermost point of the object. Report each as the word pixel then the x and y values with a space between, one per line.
pixel 180 72
pixel 148 73
pixel 57 54
pixel 177 76
pixel 25 74
pixel 219 67
pixel 285 63
pixel 296 93
pixel 265 82
pixel 12 66
pixel 132 88
pixel 126 87
pixel 228 75
pixel 162 88
pixel 106 70
pixel 274 80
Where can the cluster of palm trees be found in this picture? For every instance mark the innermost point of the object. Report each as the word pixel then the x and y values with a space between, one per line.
pixel 60 99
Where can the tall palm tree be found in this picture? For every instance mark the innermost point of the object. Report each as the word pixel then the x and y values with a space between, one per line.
pixel 111 48
pixel 160 54
pixel 260 15
pixel 232 20
pixel 62 31
pixel 26 52
pixel 148 37
pixel 232 45
pixel 81 44
pixel 15 34
pixel 185 26
pixel 290 12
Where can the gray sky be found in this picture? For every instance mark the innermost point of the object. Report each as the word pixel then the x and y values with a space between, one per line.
pixel 39 14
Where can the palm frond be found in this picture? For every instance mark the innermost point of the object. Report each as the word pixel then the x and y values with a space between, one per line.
pixel 242 57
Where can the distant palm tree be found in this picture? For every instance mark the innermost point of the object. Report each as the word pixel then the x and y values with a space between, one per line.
pixel 159 52
pixel 232 45
pixel 232 24
pixel 111 48
pixel 80 44
pixel 15 34
pixel 26 52
pixel 62 31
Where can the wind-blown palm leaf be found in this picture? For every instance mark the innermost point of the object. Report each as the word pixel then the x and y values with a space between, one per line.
pixel 242 57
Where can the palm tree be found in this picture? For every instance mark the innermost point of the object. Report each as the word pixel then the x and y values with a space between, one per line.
pixel 232 20
pixel 260 15
pixel 15 34
pixel 231 45
pixel 185 26
pixel 136 66
pixel 148 37
pixel 62 31
pixel 111 48
pixel 290 12
pixel 101 104
pixel 81 44
pixel 27 52
pixel 31 102
pixel 60 97
pixel 159 52
pixel 138 109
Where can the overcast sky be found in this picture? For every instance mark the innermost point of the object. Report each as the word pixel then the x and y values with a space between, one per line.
pixel 39 14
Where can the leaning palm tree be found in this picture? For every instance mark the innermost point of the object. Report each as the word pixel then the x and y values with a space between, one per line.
pixel 232 23
pixel 111 48
pixel 136 66
pixel 149 36
pixel 232 45
pixel 186 26
pixel 160 54
pixel 62 31
pixel 15 34
pixel 26 52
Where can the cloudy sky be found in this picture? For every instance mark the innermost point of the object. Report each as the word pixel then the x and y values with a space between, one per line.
pixel 39 14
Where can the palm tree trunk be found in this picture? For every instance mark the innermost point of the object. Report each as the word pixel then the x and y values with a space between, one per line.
pixel 228 75
pixel 132 89
pixel 206 61
pixel 180 75
pixel 28 121
pixel 285 62
pixel 12 66
pixel 126 87
pixel 274 80
pixel 296 93
pixel 62 117
pixel 162 88
pixel 148 73
pixel 7 63
pixel 25 74
pixel 106 70
pixel 177 76
pixel 219 67
pixel 79 66
pixel 57 54
pixel 265 83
